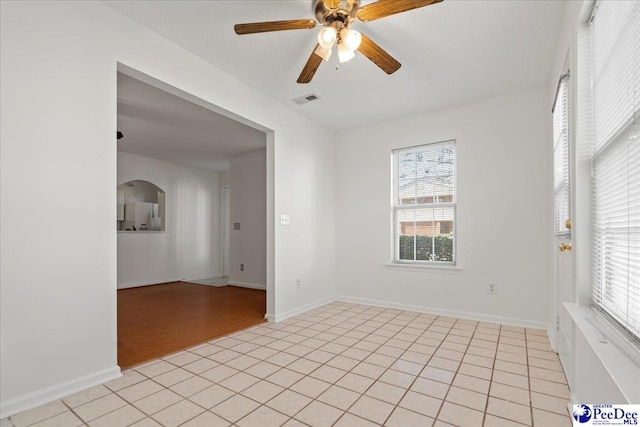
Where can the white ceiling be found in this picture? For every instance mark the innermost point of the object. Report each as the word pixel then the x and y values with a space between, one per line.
pixel 163 126
pixel 452 52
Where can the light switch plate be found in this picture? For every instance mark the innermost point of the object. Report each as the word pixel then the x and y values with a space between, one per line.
pixel 285 220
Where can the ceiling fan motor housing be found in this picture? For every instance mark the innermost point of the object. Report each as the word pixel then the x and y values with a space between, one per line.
pixel 340 11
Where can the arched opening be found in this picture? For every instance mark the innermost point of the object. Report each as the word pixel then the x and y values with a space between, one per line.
pixel 141 206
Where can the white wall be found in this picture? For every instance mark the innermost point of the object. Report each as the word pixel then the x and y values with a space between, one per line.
pixel 58 111
pixel 189 246
pixel 503 181
pixel 248 207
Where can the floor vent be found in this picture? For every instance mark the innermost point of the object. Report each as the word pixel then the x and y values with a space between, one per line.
pixel 306 98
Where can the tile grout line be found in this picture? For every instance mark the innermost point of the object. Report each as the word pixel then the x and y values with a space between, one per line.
pixel 442 341
pixel 382 344
pixel 392 333
pixel 444 399
pixel 290 417
pixel 386 369
pixel 361 361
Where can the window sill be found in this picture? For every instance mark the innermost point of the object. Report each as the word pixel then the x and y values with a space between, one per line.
pixel 622 369
pixel 419 267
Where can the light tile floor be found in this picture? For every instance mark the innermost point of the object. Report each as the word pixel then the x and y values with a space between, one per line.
pixel 338 365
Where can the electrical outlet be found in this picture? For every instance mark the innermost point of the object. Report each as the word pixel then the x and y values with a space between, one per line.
pixel 241 267
pixel 298 284
pixel 285 219
pixel 492 289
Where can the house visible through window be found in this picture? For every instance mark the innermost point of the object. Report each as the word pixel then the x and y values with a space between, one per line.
pixel 424 204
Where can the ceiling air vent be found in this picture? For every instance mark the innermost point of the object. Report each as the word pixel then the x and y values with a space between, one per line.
pixel 306 98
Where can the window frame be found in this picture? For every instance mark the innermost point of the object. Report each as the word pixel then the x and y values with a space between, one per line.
pixel 619 329
pixel 562 110
pixel 396 206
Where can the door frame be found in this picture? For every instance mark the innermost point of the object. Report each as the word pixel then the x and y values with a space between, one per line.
pixel 270 213
pixel 563 260
pixel 226 227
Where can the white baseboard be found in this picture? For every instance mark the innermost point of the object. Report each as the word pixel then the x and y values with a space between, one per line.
pixel 443 312
pixel 248 285
pixel 217 282
pixel 551 332
pixel 140 284
pixel 49 394
pixel 279 317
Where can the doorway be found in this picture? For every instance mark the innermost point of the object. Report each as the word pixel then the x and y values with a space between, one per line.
pixel 186 146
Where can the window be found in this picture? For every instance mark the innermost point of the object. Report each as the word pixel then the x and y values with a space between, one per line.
pixel 424 204
pixel 615 159
pixel 561 190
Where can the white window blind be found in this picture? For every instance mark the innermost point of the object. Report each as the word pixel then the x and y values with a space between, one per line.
pixel 424 204
pixel 615 31
pixel 561 188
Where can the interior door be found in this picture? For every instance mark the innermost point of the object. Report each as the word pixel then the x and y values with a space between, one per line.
pixel 564 287
pixel 564 293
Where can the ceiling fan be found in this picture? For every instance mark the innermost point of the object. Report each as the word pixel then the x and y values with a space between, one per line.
pixel 336 16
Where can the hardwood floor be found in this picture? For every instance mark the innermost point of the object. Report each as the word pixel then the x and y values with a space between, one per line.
pixel 157 320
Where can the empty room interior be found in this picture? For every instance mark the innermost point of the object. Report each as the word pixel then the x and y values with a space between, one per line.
pixel 181 161
pixel 319 213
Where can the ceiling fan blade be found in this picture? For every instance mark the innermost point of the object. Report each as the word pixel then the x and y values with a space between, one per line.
pixel 310 67
pixel 383 8
pixel 263 27
pixel 378 56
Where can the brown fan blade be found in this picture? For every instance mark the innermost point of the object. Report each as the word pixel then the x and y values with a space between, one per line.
pixel 310 67
pixel 263 27
pixel 378 56
pixel 383 8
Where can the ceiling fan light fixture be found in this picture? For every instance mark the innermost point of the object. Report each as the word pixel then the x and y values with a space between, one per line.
pixel 335 16
pixel 327 37
pixel 351 39
pixel 344 53
pixel 323 53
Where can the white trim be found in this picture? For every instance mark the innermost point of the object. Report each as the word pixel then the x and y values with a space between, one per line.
pixel 617 364
pixel 142 232
pixel 430 145
pixel 450 268
pixel 216 282
pixel 510 321
pixel 279 317
pixel 247 285
pixel 31 400
pixel 553 336
pixel 225 211
pixel 141 284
